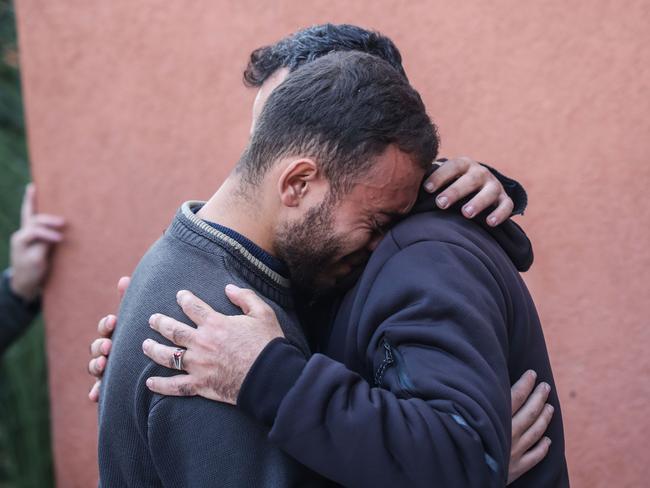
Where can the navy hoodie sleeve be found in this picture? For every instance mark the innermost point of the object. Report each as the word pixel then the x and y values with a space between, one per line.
pixel 435 411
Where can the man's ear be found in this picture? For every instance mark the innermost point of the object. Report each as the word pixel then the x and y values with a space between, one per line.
pixel 297 180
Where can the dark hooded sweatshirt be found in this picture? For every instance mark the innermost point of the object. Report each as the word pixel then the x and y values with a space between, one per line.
pixel 413 386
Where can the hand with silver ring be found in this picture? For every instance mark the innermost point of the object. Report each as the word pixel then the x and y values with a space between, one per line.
pixel 218 353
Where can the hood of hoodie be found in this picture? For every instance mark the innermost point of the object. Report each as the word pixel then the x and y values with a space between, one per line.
pixel 512 239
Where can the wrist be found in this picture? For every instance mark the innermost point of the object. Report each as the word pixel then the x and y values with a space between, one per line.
pixel 269 380
pixel 26 294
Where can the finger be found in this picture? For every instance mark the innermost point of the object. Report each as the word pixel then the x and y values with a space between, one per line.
pixel 527 415
pixel 196 309
pixel 522 389
pixel 535 455
pixel 106 326
pixel 467 184
pixel 93 394
pixel 502 212
pixel 487 196
pixel 35 233
pixel 122 284
pixel 97 366
pixel 29 203
pixel 248 301
pixel 535 432
pixel 177 332
pixel 100 347
pixel 177 385
pixel 162 355
pixel 48 220
pixel 446 173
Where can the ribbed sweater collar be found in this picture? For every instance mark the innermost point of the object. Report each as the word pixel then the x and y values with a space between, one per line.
pixel 189 228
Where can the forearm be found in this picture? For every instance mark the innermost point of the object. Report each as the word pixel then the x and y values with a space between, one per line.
pixel 15 314
pixel 330 419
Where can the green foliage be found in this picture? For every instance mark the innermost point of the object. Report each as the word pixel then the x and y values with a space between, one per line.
pixel 25 452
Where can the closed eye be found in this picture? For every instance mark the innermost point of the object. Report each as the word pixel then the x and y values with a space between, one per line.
pixel 381 227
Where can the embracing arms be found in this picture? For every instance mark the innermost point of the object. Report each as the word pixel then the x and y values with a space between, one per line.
pixel 488 194
pixel 438 380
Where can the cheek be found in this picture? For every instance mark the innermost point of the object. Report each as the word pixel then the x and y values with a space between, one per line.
pixel 352 235
pixel 356 240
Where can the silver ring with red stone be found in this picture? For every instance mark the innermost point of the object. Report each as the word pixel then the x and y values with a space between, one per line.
pixel 178 358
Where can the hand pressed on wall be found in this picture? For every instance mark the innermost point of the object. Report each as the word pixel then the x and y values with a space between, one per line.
pixel 31 247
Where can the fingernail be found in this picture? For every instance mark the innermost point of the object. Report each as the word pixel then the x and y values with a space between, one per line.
pixel 180 295
pixel 492 221
pixel 152 319
pixel 532 373
pixel 149 383
pixel 104 348
pixel 443 202
pixel 429 187
pixel 546 387
pixel 548 439
pixel 231 287
pixel 145 344
pixel 469 210
pixel 550 408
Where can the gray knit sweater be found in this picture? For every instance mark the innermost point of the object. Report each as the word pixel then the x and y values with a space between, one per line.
pixel 149 440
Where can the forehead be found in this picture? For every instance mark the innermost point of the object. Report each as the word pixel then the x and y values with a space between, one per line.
pixel 391 186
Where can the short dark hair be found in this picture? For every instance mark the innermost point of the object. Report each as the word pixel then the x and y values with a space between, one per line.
pixel 343 110
pixel 313 42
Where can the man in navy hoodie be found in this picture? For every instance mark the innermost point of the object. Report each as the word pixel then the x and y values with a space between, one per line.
pixel 419 359
pixel 386 367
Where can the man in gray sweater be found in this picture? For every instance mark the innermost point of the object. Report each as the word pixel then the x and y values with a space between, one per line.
pixel 344 136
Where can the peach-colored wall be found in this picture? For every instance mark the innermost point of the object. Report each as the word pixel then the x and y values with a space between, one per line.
pixel 133 107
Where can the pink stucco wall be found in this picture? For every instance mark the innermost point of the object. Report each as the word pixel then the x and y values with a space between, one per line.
pixel 133 107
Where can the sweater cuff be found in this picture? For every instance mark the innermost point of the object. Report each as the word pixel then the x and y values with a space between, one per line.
pixel 272 375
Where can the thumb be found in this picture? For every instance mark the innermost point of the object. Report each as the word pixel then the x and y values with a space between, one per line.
pixel 247 300
pixel 29 203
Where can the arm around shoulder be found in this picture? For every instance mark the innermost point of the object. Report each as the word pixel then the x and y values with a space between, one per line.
pixel 433 404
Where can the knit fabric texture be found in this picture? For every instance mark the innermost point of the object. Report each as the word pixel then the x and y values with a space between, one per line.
pixel 149 440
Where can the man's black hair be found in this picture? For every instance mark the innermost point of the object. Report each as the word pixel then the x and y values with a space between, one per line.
pixel 343 110
pixel 313 42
